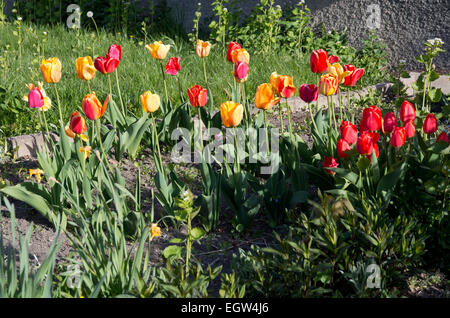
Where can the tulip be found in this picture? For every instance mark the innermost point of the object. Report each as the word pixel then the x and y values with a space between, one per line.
pixel 106 65
pixel 398 137
pixel 371 119
pixel 265 97
pixel 173 66
pixel 328 85
pixel 389 123
pixel 410 129
pixel 308 93
pixel 240 72
pixel 231 113
pixel 115 52
pixel 349 132
pixel 86 151
pixel 319 61
pixel 333 59
pixel 366 143
pixel 283 85
pixel 37 173
pixel 155 231
pixel 150 102
pixel 240 55
pixel 198 96
pixel 77 123
pixel 85 68
pixel 430 125
pixel 158 50
pixel 407 111
pixel 354 76
pixel 337 71
pixel 443 137
pixel 231 47
pixel 329 162
pixel 51 70
pixel 35 98
pixel 202 48
pixel 92 107
pixel 342 146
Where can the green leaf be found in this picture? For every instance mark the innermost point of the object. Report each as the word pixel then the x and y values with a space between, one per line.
pixel 389 181
pixel 435 94
pixel 197 233
pixel 172 251
pixel 363 163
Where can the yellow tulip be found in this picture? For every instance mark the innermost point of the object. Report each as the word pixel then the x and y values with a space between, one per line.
pixel 240 55
pixel 231 113
pixel 85 68
pixel 37 173
pixel 265 97
pixel 338 71
pixel 51 70
pixel 158 50
pixel 155 231
pixel 150 102
pixel 86 150
pixel 202 48
pixel 328 85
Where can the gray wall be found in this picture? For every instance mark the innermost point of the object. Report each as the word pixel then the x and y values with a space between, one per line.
pixel 404 24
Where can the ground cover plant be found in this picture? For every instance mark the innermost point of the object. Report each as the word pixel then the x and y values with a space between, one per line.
pixel 353 212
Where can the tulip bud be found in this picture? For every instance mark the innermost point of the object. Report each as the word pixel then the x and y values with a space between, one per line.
pixel 410 129
pixel 231 47
pixel 308 93
pixel 240 55
pixel 198 96
pixel 443 138
pixel 35 98
pixel 398 138
pixel 349 132
pixel 329 162
pixel 106 65
pixel 115 52
pixel 51 70
pixel 371 119
pixel 407 111
pixel 85 68
pixel 319 61
pixel 77 123
pixel 150 102
pixel 202 48
pixel 430 124
pixel 389 123
pixel 342 146
pixel 366 143
pixel 173 66
pixel 265 97
pixel 283 85
pixel 92 107
pixel 158 50
pixel 328 85
pixel 241 70
pixel 231 113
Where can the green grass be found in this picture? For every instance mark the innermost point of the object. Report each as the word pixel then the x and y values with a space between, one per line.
pixel 138 71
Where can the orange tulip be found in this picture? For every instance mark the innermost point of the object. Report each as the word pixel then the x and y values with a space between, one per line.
pixel 202 48
pixel 231 113
pixel 265 97
pixel 328 85
pixel 85 68
pixel 240 55
pixel 150 102
pixel 158 50
pixel 51 70
pixel 92 107
pixel 283 85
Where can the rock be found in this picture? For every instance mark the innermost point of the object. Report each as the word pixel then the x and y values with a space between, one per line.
pixel 27 145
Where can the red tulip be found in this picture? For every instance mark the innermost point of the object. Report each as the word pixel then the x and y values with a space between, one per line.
pixel 173 66
pixel 389 123
pixel 349 132
pixel 342 146
pixel 354 76
pixel 333 59
pixel 366 143
pixel 410 129
pixel 241 70
pixel 319 61
pixel 430 125
pixel 77 123
pixel 115 52
pixel 398 137
pixel 231 47
pixel 371 119
pixel 35 98
pixel 308 93
pixel 106 64
pixel 407 111
pixel 329 162
pixel 443 137
pixel 198 96
pixel 92 107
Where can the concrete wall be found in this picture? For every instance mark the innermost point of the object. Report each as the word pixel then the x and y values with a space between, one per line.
pixel 404 25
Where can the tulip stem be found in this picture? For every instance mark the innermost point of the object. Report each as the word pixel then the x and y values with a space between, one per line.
pixel 200 128
pixel 89 87
pixel 289 116
pixel 59 105
pixel 101 145
pixel 267 132
pixel 110 86
pixel 247 110
pixel 244 102
pixel 157 142
pixel 237 149
pixel 120 94
pixel 313 121
pixel 280 110
pixel 46 128
pixel 43 135
pixel 164 80
pixel 181 91
pixel 340 105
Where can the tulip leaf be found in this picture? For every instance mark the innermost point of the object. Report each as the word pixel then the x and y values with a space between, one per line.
pixel 389 181
pixel 435 94
pixel 64 143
